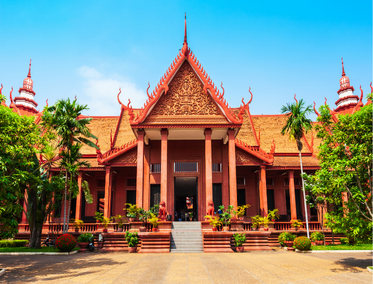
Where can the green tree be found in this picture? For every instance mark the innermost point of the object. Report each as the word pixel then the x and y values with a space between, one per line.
pixel 346 167
pixel 296 126
pixel 18 135
pixel 64 118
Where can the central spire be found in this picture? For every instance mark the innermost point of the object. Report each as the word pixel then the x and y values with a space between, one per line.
pixel 29 70
pixel 343 69
pixel 185 32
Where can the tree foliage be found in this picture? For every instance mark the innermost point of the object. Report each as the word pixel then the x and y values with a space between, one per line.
pixel 346 168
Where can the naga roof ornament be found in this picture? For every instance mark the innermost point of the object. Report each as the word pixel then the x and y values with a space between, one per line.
pixel 257 151
pixel 208 86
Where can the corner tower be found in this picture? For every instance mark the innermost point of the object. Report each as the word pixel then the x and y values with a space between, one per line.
pixel 347 100
pixel 25 102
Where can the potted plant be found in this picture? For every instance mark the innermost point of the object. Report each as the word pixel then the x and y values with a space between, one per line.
pixel 83 241
pixel 255 221
pixel 119 221
pixel 296 224
pixel 191 214
pixel 132 211
pixel 226 216
pixel 302 243
pixel 241 210
pixel 317 238
pixel 78 224
pixel 214 222
pixel 105 222
pixel 143 216
pixel 239 239
pixel 155 221
pixel 132 240
pixel 286 239
pixel 99 216
pixel 265 221
pixel 273 215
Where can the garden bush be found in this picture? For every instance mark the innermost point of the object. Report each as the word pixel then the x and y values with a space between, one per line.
pixel 13 243
pixel 302 243
pixel 317 236
pixel 66 243
pixel 85 238
pixel 344 241
pixel 285 236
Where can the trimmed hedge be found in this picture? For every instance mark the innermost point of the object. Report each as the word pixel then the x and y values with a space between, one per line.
pixel 285 236
pixel 302 243
pixel 13 243
pixel 317 236
pixel 66 243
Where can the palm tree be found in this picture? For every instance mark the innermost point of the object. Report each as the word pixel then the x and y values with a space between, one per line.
pixel 296 126
pixel 63 118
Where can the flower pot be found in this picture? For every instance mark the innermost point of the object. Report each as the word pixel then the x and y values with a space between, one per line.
pixel 142 229
pixel 132 249
pixel 273 220
pixel 319 243
pixel 83 247
pixel 289 244
pixel 120 229
pixel 131 219
pixel 240 249
pixel 225 228
pixel 214 228
pixel 104 230
pixel 265 228
pixel 154 229
pixel 76 230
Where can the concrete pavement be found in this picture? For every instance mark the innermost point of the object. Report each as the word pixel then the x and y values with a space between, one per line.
pixel 250 267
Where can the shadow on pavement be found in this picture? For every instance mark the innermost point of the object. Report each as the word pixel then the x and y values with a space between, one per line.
pixel 27 268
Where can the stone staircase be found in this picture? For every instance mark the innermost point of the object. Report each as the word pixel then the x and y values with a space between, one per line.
pixel 186 237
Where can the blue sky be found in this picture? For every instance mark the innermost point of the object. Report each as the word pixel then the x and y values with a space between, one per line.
pixel 89 49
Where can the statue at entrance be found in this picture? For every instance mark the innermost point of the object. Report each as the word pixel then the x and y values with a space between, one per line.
pixel 162 211
pixel 210 208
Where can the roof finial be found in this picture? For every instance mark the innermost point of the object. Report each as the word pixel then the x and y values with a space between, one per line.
pixel 343 69
pixel 185 32
pixel 29 70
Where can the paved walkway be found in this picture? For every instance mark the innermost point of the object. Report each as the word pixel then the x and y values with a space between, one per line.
pixel 250 267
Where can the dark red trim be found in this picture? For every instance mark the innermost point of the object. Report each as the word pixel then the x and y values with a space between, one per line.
pixel 292 154
pixel 345 88
pixel 188 126
pixel 26 90
pixel 347 97
pixel 89 156
pixel 293 168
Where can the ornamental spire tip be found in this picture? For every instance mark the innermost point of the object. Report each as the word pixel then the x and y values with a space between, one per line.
pixel 29 70
pixel 185 31
pixel 343 69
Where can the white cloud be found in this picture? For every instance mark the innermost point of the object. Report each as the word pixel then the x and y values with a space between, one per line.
pixel 100 92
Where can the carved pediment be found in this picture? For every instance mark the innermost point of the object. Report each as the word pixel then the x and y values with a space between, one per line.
pixel 186 101
pixel 129 157
pixel 245 158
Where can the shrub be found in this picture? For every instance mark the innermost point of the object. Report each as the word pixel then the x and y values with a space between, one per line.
pixel 239 239
pixel 344 241
pixel 85 238
pixel 13 243
pixel 302 243
pixel 132 239
pixel 317 236
pixel 285 236
pixel 66 243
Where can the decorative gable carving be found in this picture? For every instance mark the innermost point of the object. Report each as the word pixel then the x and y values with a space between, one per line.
pixel 245 158
pixel 186 100
pixel 129 157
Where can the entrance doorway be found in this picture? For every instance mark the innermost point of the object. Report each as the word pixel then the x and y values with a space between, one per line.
pixel 186 198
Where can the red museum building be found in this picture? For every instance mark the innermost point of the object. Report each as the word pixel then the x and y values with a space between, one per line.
pixel 187 145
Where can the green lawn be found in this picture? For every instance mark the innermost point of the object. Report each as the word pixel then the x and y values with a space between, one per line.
pixel 343 247
pixel 25 249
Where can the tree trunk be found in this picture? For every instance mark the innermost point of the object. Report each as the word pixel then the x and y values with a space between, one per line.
pixel 68 213
pixel 64 205
pixel 304 194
